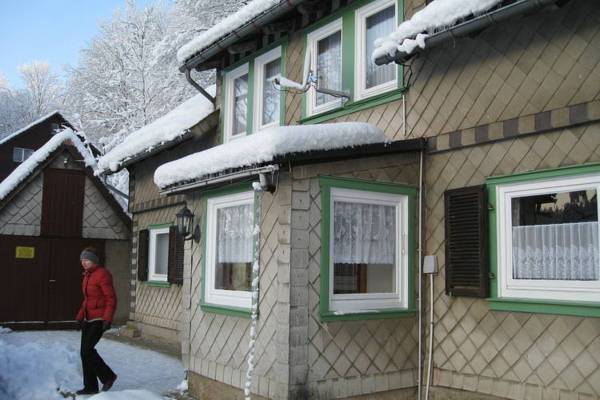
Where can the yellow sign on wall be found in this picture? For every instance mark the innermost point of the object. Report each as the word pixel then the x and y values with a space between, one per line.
pixel 25 252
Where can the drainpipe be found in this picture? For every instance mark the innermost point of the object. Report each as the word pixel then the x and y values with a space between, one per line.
pixel 199 88
pixel 420 297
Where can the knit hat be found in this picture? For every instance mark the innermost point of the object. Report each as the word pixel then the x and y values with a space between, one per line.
pixel 89 254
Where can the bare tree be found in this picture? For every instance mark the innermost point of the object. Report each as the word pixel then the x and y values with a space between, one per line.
pixel 44 90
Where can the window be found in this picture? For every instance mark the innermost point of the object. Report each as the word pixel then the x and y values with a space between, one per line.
pixel 373 21
pixel 236 103
pixel 20 154
pixel 325 46
pixel 267 99
pixel 366 230
pixel 158 257
pixel 548 239
pixel 229 250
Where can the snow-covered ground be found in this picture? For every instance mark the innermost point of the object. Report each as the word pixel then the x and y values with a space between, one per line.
pixel 34 364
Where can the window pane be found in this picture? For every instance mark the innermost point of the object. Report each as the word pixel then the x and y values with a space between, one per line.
pixel 234 248
pixel 162 254
pixel 17 154
pixel 379 25
pixel 27 153
pixel 329 66
pixel 270 106
pixel 364 248
pixel 555 236
pixel 240 104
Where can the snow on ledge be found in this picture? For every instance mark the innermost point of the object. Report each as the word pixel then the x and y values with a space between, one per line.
pixel 166 128
pixel 265 146
pixel 225 26
pixel 438 14
pixel 40 155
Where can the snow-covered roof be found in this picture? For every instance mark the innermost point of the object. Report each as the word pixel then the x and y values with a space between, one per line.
pixel 34 123
pixel 265 146
pixel 231 23
pixel 40 155
pixel 165 129
pixel 436 15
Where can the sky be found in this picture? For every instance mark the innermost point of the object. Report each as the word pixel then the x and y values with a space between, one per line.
pixel 49 30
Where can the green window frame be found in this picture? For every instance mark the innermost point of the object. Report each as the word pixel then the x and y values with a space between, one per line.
pixel 205 305
pixel 530 305
pixel 252 125
pixel 408 194
pixel 348 16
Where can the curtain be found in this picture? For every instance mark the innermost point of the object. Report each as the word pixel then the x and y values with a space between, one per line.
pixel 234 234
pixel 270 109
pixel 379 25
pixel 364 233
pixel 556 252
pixel 240 98
pixel 329 66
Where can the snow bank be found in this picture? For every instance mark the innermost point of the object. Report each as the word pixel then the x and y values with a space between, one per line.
pixel 225 26
pixel 265 146
pixel 34 371
pixel 166 128
pixel 438 14
pixel 40 155
pixel 127 395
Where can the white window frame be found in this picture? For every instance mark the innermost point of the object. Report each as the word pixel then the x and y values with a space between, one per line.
pixel 259 75
pixel 360 77
pixel 227 298
pixel 562 290
pixel 312 39
pixel 152 275
pixel 22 152
pixel 229 107
pixel 366 302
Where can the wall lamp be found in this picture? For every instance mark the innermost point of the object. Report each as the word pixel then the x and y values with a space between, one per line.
pixel 185 225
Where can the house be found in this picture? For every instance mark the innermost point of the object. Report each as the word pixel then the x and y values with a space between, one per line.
pixel 334 178
pixel 18 146
pixel 52 206
pixel 155 296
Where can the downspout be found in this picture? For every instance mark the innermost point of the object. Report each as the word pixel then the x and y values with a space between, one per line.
pixel 420 295
pixel 199 88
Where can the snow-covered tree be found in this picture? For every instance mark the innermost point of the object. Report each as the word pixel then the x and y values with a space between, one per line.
pixel 43 88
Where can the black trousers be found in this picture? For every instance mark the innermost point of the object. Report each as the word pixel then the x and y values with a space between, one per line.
pixel 94 367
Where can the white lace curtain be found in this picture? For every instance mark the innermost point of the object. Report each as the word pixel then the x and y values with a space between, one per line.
pixel 234 234
pixel 364 233
pixel 377 26
pixel 556 252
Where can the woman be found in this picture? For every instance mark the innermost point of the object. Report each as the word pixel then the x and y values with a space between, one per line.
pixel 95 317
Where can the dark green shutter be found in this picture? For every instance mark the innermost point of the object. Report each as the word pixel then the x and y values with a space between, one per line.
pixel 175 268
pixel 467 260
pixel 142 255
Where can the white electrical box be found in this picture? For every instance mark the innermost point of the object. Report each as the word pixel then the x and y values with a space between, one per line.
pixel 430 265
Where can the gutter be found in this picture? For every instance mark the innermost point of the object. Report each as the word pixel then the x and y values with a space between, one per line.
pixel 249 27
pixel 467 27
pixel 199 88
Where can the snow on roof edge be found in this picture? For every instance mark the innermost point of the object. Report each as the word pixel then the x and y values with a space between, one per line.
pixel 170 126
pixel 40 155
pixel 437 14
pixel 30 125
pixel 265 146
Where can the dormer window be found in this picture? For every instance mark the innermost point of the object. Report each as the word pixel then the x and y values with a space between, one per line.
pixel 267 98
pixel 236 103
pixel 20 154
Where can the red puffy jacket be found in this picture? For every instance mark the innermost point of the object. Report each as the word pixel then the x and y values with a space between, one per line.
pixel 99 299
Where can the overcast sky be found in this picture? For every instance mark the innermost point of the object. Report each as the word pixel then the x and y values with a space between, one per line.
pixel 48 30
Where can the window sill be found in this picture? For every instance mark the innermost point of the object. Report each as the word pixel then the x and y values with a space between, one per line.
pixel 162 284
pixel 352 107
pixel 578 309
pixel 383 314
pixel 226 310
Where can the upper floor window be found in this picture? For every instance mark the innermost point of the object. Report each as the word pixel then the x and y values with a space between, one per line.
pixel 373 21
pixel 236 102
pixel 267 99
pixel 21 154
pixel 325 46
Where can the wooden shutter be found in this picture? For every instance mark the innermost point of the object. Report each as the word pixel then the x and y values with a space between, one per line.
pixel 142 255
pixel 467 261
pixel 175 268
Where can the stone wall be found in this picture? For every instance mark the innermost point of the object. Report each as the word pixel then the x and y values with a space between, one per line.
pixel 100 221
pixel 23 215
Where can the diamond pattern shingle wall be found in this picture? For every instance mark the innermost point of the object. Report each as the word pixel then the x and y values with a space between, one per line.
pixel 513 355
pixel 99 219
pixel 23 214
pixel 342 358
pixel 219 343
